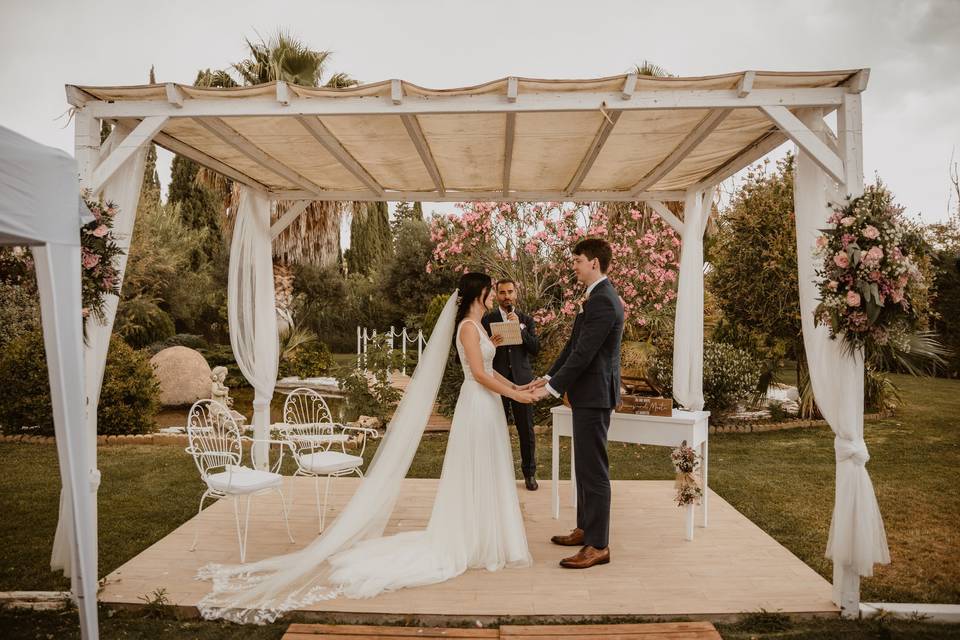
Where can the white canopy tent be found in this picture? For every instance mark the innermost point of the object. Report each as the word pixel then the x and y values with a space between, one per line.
pixel 40 208
pixel 621 138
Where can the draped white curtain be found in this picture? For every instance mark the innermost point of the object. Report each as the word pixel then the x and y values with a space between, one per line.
pixel 688 322
pixel 857 540
pixel 124 190
pixel 251 310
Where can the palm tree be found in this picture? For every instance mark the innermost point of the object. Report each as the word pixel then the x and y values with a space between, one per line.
pixel 647 68
pixel 315 236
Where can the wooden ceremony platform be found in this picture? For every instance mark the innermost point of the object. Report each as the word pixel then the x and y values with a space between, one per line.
pixel 730 568
pixel 650 631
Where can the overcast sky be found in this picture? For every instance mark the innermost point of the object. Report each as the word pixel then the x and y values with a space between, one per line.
pixel 911 107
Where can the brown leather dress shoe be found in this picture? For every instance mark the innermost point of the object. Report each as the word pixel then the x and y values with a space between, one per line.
pixel 572 539
pixel 586 558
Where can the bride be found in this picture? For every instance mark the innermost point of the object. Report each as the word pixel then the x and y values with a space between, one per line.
pixel 475 522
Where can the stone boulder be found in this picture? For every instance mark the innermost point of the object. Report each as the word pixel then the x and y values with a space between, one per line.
pixel 184 376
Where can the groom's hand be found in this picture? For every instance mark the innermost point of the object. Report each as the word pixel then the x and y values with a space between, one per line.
pixel 540 393
pixel 536 384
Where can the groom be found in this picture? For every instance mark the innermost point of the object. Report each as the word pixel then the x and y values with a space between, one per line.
pixel 588 372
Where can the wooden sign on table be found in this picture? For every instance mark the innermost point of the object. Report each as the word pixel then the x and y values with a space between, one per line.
pixel 645 405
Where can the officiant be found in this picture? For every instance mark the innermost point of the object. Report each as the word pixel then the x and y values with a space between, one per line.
pixel 513 363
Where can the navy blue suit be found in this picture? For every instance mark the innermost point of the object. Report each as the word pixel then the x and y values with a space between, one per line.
pixel 588 371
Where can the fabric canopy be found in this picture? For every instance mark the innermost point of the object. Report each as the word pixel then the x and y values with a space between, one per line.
pixel 39 207
pixel 38 190
pixel 562 137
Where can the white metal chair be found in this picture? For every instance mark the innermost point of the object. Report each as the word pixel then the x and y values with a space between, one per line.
pixel 319 444
pixel 216 445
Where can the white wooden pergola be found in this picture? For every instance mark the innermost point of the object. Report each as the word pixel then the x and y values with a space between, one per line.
pixel 621 138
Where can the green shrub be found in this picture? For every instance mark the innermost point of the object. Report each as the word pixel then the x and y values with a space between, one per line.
pixel 19 311
pixel 128 400
pixel 131 394
pixel 189 340
pixel 730 375
pixel 369 391
pixel 141 322
pixel 309 360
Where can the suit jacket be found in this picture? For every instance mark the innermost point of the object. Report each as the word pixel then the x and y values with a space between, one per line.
pixel 513 361
pixel 588 368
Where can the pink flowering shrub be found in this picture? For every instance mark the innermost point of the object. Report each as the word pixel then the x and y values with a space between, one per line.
pixel 98 254
pixel 531 242
pixel 870 276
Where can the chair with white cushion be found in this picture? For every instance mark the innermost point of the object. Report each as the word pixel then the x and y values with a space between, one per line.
pixel 319 444
pixel 216 445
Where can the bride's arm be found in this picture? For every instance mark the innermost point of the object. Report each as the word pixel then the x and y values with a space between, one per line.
pixel 512 385
pixel 470 338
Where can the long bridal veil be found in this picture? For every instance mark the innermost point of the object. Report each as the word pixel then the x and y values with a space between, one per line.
pixel 260 592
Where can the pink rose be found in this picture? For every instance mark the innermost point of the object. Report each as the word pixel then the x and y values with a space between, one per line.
pixel 849 220
pixel 842 260
pixel 822 242
pixel 897 296
pixel 90 260
pixel 832 285
pixel 100 231
pixel 871 232
pixel 853 299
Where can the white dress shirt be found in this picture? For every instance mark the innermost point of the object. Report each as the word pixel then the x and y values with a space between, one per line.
pixel 589 291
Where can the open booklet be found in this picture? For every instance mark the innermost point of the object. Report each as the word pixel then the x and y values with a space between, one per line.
pixel 509 330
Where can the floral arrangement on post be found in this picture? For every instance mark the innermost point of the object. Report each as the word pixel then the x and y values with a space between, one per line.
pixel 686 461
pixel 98 253
pixel 869 277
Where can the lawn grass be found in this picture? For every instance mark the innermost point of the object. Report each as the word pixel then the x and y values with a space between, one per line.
pixel 63 625
pixel 781 480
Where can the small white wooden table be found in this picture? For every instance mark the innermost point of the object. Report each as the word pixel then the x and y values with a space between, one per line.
pixel 664 431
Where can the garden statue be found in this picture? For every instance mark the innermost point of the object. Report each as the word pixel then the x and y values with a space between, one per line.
pixel 220 392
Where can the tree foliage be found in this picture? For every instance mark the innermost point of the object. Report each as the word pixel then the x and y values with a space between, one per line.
pixel 753 275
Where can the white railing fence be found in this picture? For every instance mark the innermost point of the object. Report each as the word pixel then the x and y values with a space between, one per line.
pixel 406 337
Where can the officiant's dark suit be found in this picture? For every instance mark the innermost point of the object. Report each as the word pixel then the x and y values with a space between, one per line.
pixel 588 371
pixel 513 363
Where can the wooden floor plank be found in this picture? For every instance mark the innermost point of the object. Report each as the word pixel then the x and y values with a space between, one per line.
pixel 729 568
pixel 359 632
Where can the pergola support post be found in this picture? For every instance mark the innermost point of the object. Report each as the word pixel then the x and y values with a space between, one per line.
pixel 122 187
pixel 856 540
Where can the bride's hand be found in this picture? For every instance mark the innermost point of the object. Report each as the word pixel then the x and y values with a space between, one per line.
pixel 524 396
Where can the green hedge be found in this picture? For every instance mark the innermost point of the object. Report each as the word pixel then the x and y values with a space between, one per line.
pixel 129 398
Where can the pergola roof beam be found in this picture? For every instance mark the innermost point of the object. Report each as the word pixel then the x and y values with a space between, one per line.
pixel 330 142
pixel 666 214
pixel 227 134
pixel 181 148
pixel 174 95
pixel 609 121
pixel 688 144
pixel 474 196
pixel 629 86
pixel 807 140
pixel 756 150
pixel 288 217
pixel 508 136
pixel 142 134
pixel 545 101
pixel 746 84
pixel 420 142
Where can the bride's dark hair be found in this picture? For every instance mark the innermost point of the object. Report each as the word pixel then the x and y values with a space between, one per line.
pixel 472 286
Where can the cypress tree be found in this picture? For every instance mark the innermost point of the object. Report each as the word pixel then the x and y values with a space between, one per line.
pixel 371 241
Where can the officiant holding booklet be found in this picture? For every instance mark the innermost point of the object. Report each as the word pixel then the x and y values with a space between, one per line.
pixel 512 361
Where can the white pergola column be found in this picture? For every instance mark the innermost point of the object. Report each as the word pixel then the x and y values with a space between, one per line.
pixel 121 165
pixel 857 539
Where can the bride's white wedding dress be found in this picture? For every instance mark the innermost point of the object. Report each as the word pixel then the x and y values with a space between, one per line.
pixel 475 522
